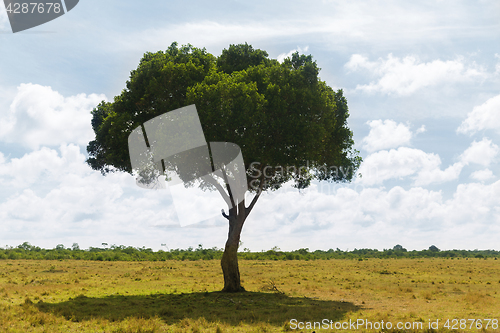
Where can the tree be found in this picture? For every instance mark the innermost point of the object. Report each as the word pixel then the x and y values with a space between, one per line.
pixel 433 248
pixel 290 125
pixel 399 247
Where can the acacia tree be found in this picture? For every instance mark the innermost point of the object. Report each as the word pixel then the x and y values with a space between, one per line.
pixel 290 125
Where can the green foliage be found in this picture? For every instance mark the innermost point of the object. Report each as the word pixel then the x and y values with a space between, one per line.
pixel 240 57
pixel 287 121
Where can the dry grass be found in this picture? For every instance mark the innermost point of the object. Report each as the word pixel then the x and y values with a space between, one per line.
pixel 181 296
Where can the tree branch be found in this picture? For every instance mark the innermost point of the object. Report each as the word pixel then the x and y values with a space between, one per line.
pixel 223 169
pixel 219 188
pixel 254 200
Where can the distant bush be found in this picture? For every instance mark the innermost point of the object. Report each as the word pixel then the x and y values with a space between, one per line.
pixel 129 253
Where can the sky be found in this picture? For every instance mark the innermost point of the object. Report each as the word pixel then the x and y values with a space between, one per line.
pixel 422 81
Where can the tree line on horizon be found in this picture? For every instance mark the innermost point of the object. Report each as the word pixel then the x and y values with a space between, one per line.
pixel 129 253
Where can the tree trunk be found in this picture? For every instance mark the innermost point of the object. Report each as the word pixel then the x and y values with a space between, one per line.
pixel 229 262
pixel 237 216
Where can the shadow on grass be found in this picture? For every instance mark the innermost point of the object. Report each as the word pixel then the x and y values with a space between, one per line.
pixel 247 307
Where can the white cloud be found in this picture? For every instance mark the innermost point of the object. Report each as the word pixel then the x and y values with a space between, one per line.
pixel 484 116
pixel 475 203
pixel 283 56
pixel 403 162
pixel 434 175
pixel 376 218
pixel 386 134
pixel 482 152
pixel 422 129
pixel 43 165
pixel 424 168
pixel 407 75
pixel 482 175
pixel 40 116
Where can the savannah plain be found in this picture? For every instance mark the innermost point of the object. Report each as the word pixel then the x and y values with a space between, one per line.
pixel 182 296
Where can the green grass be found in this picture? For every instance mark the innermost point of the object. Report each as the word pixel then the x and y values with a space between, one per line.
pixel 182 296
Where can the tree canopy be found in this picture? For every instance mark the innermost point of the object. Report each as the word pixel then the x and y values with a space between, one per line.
pixel 286 121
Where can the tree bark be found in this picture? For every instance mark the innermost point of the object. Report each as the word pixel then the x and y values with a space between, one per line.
pixel 229 262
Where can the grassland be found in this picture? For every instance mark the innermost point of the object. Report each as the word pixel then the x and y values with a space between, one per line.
pixel 182 296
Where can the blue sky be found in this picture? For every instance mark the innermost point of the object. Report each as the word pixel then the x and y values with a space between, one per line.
pixel 422 80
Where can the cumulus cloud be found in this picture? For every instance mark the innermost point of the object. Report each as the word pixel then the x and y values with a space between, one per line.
pixel 63 171
pixel 283 56
pixel 484 116
pixel 422 129
pixel 434 175
pixel 482 175
pixel 43 165
pixel 404 76
pixel 40 116
pixel 482 152
pixel 403 162
pixel 424 168
pixel 386 134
